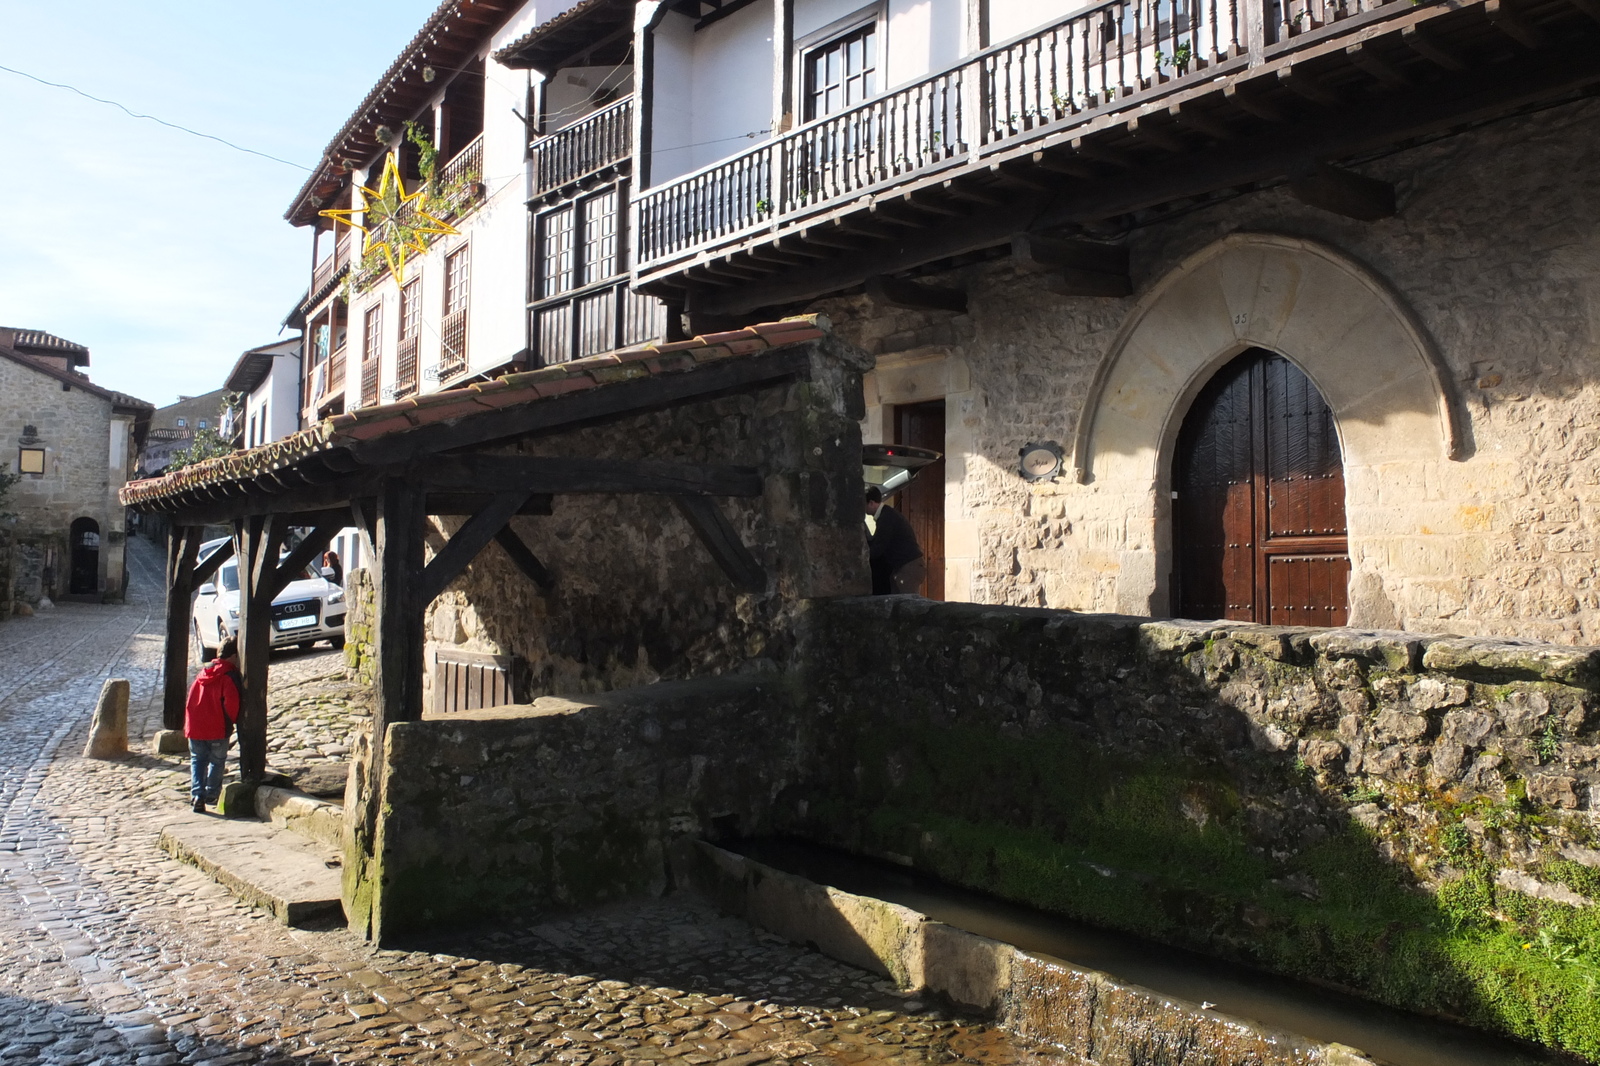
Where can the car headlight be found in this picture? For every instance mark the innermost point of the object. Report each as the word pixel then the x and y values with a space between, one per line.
pixel 233 612
pixel 336 596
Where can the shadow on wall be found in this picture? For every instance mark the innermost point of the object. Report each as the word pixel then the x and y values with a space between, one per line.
pixel 1395 816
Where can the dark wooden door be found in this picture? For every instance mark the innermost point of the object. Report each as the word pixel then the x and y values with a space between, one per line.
pixel 921 425
pixel 1258 511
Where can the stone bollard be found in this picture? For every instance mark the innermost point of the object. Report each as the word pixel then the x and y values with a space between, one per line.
pixel 170 742
pixel 108 737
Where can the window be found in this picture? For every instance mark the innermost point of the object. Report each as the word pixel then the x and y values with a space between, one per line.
pixel 578 245
pixel 555 251
pixel 457 280
pixel 30 461
pixel 182 422
pixel 842 71
pixel 372 333
pixel 410 308
pixel 202 423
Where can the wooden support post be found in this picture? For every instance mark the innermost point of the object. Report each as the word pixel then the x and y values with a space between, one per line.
pixel 1344 192
pixel 399 606
pixel 258 538
pixel 523 557
pixel 722 541
pixel 894 292
pixel 183 542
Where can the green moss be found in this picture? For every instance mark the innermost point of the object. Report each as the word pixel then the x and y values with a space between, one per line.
pixel 1164 848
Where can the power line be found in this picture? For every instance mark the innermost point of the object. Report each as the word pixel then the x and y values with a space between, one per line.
pixel 151 118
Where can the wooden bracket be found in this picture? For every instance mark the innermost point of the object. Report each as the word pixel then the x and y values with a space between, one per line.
pixel 1511 22
pixel 1303 84
pixel 1245 101
pixel 469 540
pixel 529 474
pixel 722 541
pixel 1425 46
pixel 205 568
pixel 1077 268
pixel 1380 69
pixel 520 554
pixel 296 561
pixel 1344 192
pixel 893 292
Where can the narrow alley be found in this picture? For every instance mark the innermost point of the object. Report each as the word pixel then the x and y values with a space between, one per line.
pixel 113 953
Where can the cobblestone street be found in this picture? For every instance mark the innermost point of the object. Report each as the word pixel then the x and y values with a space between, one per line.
pixel 113 953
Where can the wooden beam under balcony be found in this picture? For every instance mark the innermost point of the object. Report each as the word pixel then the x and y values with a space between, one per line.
pixel 1423 43
pixel 1074 268
pixel 1369 59
pixel 911 295
pixel 1344 192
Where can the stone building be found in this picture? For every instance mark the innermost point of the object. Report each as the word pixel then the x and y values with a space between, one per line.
pixel 73 443
pixel 173 427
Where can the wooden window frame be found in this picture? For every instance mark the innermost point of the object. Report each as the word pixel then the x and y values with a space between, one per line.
pixel 579 205
pixel 372 338
pixel 445 296
pixel 876 14
pixel 410 306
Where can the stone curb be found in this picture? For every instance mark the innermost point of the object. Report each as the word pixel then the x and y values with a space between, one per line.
pixel 297 812
pixel 259 864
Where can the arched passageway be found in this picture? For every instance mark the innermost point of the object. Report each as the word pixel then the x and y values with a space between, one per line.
pixel 84 576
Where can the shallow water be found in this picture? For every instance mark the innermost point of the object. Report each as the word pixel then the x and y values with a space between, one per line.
pixel 1307 1010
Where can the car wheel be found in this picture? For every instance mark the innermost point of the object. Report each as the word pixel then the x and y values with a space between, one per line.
pixel 338 643
pixel 307 645
pixel 202 653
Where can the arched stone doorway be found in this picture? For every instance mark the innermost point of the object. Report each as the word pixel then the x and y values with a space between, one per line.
pixel 84 573
pixel 1258 514
pixel 1387 387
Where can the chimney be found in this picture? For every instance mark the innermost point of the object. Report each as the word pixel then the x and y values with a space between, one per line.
pixel 8 337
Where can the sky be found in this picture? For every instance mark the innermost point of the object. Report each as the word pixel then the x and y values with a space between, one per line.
pixel 168 255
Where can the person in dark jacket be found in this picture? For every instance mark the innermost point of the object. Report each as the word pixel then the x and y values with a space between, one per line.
pixel 208 718
pixel 896 557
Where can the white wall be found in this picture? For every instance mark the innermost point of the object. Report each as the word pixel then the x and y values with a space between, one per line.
pixel 923 36
pixel 568 96
pixel 1012 18
pixel 711 89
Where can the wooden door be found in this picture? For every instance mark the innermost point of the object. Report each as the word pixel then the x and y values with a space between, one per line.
pixel 1258 510
pixel 921 425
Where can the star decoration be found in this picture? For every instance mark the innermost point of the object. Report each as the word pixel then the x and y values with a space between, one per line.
pixel 391 224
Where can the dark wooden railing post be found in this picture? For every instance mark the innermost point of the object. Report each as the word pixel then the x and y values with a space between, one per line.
pixel 183 542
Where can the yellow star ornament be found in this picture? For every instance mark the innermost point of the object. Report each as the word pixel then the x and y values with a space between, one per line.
pixel 391 223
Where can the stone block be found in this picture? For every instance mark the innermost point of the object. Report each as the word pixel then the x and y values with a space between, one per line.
pixel 169 742
pixel 238 800
pixel 108 734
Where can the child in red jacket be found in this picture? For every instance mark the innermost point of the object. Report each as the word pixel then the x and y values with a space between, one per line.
pixel 208 718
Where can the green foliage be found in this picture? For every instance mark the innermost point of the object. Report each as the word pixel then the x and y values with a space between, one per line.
pixel 208 444
pixel 7 480
pixel 1548 745
pixel 427 152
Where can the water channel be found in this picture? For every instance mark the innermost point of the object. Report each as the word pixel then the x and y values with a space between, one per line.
pixel 1318 1013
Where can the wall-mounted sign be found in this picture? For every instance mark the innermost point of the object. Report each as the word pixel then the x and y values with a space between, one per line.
pixel 1041 460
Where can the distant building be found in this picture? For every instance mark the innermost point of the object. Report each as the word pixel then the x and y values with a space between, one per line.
pixel 73 442
pixel 173 427
pixel 268 378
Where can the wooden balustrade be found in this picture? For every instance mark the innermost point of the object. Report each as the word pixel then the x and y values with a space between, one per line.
pixel 464 172
pixel 453 346
pixel 590 144
pixel 369 383
pixel 1066 74
pixel 405 368
pixel 335 380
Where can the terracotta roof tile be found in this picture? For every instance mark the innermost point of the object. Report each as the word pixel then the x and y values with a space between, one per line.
pixel 529 386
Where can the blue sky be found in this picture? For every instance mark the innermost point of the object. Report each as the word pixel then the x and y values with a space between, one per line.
pixel 166 254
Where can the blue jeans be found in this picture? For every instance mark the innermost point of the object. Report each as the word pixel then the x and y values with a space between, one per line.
pixel 207 760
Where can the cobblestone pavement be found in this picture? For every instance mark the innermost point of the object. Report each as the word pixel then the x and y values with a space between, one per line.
pixel 111 953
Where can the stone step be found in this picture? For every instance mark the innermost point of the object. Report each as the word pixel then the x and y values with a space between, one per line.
pixel 313 818
pixel 295 879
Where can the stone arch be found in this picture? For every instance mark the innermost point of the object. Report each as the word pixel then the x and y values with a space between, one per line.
pixel 1360 345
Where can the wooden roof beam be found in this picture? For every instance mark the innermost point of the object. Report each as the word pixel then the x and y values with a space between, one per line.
pixel 1511 22
pixel 1344 192
pixel 1363 55
pixel 895 292
pixel 1422 43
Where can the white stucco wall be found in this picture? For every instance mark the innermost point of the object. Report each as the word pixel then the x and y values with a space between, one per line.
pixel 569 96
pixel 1010 18
pixel 724 74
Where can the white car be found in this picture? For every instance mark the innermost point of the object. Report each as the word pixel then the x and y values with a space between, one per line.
pixel 309 609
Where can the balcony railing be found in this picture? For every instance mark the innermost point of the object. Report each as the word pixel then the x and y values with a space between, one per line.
pixel 369 383
pixel 405 368
pixel 324 271
pixel 599 318
pixel 1064 75
pixel 335 381
pixel 453 345
pixel 590 144
pixel 460 181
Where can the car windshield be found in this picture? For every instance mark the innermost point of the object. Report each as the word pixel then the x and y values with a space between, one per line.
pixel 230 578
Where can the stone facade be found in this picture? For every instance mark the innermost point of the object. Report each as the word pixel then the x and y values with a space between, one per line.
pixel 637 597
pixel 1455 343
pixel 88 436
pixel 1411 818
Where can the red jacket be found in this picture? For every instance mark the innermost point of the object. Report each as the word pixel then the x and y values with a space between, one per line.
pixel 213 702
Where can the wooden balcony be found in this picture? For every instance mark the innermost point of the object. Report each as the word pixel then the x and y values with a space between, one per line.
pixel 369 383
pixel 324 273
pixel 335 380
pixel 1116 113
pixel 587 147
pixel 597 318
pixel 405 368
pixel 460 182
pixel 453 345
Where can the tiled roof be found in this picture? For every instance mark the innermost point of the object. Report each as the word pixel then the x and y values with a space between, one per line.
pixel 39 339
pixel 73 378
pixel 447 40
pixel 565 28
pixel 544 385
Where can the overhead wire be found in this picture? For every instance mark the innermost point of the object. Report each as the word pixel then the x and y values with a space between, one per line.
pixel 152 118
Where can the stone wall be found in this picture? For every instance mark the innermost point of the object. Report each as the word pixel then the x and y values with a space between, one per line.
pixel 636 597
pixel 360 659
pixel 1411 818
pixel 1503 287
